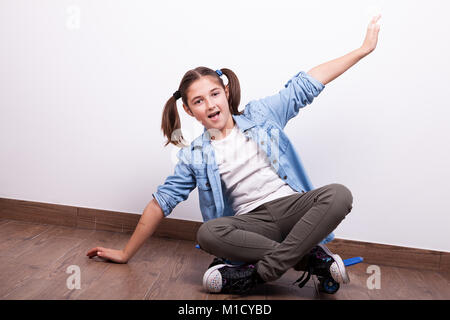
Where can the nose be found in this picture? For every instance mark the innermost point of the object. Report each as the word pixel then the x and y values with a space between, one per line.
pixel 210 105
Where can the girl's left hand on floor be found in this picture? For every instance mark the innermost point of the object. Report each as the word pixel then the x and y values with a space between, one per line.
pixel 370 42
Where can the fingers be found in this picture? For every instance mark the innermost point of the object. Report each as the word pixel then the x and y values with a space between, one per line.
pixel 374 20
pixel 97 251
pixel 91 252
pixel 373 25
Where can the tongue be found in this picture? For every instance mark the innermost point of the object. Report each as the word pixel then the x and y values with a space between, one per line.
pixel 215 116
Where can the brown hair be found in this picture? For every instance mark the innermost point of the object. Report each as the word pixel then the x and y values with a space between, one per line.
pixel 170 118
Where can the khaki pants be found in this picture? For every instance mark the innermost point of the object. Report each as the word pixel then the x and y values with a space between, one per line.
pixel 278 234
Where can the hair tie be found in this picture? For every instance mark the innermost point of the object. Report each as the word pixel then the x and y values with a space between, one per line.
pixel 177 95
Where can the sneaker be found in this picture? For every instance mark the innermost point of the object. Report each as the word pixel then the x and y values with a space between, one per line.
pixel 217 261
pixel 227 278
pixel 323 263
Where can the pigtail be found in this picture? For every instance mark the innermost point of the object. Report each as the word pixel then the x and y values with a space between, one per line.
pixel 234 91
pixel 171 124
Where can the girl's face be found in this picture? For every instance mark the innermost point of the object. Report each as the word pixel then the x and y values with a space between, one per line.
pixel 205 98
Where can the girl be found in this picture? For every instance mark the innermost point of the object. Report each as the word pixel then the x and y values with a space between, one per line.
pixel 257 202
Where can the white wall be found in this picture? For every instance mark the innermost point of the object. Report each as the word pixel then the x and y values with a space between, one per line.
pixel 83 84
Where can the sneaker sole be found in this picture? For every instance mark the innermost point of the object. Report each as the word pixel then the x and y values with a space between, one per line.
pixel 342 272
pixel 212 279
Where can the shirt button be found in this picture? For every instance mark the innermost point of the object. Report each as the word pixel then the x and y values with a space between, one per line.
pixel 284 177
pixel 274 161
pixel 207 184
pixel 262 142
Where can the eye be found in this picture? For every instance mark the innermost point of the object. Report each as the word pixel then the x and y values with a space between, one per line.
pixel 215 93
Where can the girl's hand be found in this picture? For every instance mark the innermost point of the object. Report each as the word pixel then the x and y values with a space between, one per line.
pixel 370 42
pixel 108 254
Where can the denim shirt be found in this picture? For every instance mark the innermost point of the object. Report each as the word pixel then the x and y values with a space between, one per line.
pixel 263 121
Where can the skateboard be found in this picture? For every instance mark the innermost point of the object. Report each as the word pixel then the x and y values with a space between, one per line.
pixel 326 284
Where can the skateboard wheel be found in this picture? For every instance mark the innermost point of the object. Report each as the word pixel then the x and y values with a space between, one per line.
pixel 328 285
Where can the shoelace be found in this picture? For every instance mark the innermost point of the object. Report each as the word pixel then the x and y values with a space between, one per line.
pixel 242 283
pixel 315 255
pixel 308 274
pixel 239 286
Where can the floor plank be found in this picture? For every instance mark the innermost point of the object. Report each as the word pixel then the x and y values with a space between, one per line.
pixel 181 273
pixel 50 282
pixel 15 236
pixel 34 262
pixel 13 275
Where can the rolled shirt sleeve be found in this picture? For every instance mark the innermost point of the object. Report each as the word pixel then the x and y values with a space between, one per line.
pixel 177 187
pixel 298 92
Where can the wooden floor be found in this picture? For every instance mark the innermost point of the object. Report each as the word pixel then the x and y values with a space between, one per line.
pixel 34 259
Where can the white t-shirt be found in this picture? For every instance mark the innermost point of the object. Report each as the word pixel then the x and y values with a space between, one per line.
pixel 247 176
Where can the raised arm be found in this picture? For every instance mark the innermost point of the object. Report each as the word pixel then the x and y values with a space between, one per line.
pixel 328 71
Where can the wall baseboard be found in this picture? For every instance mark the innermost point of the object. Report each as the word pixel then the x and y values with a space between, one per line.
pixel 78 217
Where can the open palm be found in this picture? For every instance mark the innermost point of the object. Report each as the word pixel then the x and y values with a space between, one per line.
pixel 370 42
